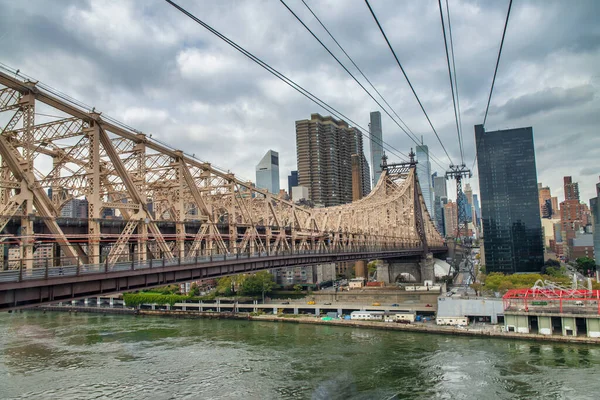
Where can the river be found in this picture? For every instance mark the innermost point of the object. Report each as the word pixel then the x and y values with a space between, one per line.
pixel 85 356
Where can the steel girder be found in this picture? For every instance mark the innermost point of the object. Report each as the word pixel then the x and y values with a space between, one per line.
pixel 87 156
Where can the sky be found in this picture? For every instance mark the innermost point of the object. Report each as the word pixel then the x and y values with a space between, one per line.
pixel 149 66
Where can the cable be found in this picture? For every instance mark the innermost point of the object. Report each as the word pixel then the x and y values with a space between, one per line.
pixel 413 137
pixel 342 65
pixel 497 62
pixel 451 82
pixel 279 75
pixel 433 157
pixel 408 80
pixel 494 78
pixel 455 82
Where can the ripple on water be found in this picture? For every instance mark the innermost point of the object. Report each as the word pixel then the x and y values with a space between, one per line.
pixel 124 357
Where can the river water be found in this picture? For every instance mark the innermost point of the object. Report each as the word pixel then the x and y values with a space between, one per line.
pixel 85 356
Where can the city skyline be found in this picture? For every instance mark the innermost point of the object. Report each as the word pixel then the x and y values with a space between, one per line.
pixel 199 95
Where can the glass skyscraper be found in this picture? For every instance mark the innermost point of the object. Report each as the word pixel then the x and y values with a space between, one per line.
pixel 376 145
pixel 267 172
pixel 424 175
pixel 510 211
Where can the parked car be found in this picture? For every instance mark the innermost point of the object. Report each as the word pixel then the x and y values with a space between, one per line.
pixel 395 305
pixel 327 304
pixel 376 304
pixel 285 302
pixel 310 303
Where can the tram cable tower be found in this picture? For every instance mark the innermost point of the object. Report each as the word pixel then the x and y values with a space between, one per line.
pixel 458 172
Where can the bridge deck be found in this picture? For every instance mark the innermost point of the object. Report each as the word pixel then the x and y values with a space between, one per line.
pixel 30 287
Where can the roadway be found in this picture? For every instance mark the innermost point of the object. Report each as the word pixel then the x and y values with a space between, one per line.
pixel 36 286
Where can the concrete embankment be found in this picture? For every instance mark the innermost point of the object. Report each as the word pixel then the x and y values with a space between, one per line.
pixel 488 331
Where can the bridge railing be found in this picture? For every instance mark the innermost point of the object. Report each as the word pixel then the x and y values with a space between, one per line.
pixel 70 267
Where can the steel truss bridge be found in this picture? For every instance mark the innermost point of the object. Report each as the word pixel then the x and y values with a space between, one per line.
pixel 179 219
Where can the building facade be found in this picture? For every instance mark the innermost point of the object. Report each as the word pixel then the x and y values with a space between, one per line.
pixel 292 181
pixel 424 175
pixel 571 188
pixel 324 148
pixel 544 196
pixel 450 219
pixel 510 209
pixel 376 145
pixel 267 172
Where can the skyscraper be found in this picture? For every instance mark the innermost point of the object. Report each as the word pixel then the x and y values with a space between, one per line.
pixel 450 219
pixel 440 194
pixel 292 181
pixel 477 210
pixel 267 172
pixel 468 192
pixel 439 185
pixel 376 145
pixel 510 209
pixel 543 197
pixel 571 189
pixel 324 148
pixel 424 175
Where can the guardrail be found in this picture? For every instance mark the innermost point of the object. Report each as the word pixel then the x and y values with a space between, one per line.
pixel 76 269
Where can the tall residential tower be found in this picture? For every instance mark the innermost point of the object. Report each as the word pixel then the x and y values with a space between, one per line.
pixel 324 148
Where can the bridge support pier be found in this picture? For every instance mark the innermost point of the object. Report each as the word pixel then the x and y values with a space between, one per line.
pixel 383 272
pixel 427 268
pixel 360 269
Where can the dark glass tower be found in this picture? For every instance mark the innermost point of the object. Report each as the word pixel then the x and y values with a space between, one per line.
pixel 510 211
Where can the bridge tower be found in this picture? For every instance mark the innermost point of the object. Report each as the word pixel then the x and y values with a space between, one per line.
pixel 403 170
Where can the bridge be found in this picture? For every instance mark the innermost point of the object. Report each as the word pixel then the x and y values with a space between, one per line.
pixel 174 218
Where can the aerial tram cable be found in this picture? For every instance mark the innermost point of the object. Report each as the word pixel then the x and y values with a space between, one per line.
pixel 462 159
pixel 494 78
pixel 404 128
pixel 408 80
pixel 285 79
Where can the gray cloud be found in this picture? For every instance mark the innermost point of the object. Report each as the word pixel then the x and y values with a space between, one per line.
pixel 145 63
pixel 589 171
pixel 546 100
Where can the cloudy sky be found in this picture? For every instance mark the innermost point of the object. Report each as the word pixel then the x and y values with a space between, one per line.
pixel 148 65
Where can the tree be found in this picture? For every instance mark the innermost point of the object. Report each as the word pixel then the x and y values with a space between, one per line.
pixel 224 286
pixel 194 289
pixel 585 263
pixel 297 288
pixel 372 266
pixel 257 284
pixel 477 288
pixel 505 286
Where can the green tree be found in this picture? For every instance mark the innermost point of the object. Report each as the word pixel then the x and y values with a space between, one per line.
pixel 552 263
pixel 505 286
pixel 297 288
pixel 477 288
pixel 372 266
pixel 224 286
pixel 194 289
pixel 585 263
pixel 258 284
